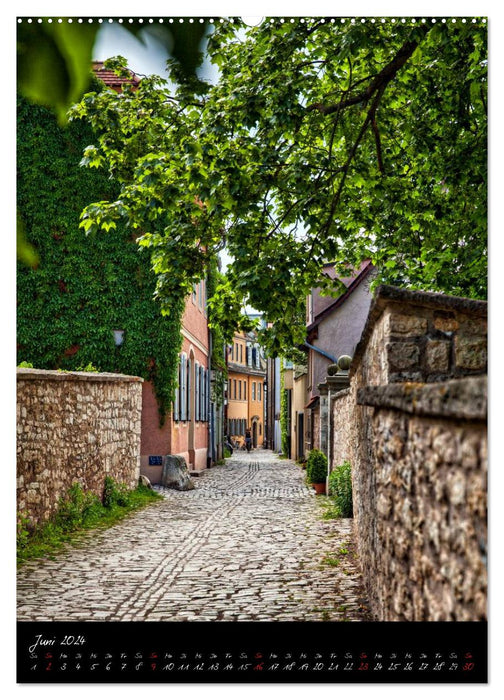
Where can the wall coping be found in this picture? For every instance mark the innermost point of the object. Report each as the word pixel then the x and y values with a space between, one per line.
pixel 386 294
pixel 57 376
pixel 340 394
pixel 464 398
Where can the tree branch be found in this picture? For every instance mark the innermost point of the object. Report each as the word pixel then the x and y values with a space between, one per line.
pixel 381 80
pixel 379 156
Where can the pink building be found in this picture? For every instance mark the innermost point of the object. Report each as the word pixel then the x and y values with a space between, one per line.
pixel 186 429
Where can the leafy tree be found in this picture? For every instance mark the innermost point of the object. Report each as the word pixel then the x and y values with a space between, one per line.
pixel 53 59
pixel 323 140
pixel 84 288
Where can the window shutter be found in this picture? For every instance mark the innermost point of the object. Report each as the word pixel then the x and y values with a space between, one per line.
pixel 189 389
pixel 176 403
pixel 183 388
pixel 197 396
pixel 205 393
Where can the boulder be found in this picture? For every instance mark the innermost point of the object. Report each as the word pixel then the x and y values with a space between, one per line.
pixel 175 474
pixel 144 481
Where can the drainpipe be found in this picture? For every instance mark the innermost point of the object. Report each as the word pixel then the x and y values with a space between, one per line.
pixel 321 352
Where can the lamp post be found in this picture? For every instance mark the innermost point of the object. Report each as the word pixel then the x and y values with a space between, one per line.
pixel 118 337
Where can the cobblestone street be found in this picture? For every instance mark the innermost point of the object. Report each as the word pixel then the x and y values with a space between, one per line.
pixel 247 544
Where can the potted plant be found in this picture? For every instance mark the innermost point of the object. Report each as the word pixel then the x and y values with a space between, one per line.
pixel 316 471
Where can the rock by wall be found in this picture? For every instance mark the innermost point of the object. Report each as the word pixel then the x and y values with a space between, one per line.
pixel 407 430
pixel 74 427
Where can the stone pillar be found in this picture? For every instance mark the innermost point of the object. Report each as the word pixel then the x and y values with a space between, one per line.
pixel 336 381
pixel 323 420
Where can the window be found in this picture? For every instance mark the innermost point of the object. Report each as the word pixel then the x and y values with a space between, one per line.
pixel 241 353
pixel 258 391
pixel 245 390
pixel 239 389
pixel 253 391
pixel 234 388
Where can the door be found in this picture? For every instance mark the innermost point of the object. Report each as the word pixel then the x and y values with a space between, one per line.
pixel 300 436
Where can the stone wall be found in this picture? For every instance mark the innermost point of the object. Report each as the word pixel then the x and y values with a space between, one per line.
pixel 343 437
pixel 415 410
pixel 428 557
pixel 421 337
pixel 74 427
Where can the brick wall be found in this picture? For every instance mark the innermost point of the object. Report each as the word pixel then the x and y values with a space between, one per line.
pixel 74 426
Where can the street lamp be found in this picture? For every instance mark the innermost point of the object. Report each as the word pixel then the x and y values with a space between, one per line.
pixel 118 338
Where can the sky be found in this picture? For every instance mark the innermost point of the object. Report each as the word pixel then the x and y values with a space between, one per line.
pixel 147 56
pixel 144 57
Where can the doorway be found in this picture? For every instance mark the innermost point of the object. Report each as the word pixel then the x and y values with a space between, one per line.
pixel 300 435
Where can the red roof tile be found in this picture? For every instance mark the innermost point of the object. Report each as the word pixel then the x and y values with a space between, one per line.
pixel 110 79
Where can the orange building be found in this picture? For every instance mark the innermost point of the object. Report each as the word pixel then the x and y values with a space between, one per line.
pixel 245 392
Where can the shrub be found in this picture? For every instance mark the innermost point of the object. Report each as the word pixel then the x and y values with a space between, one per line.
pixel 316 467
pixel 340 488
pixel 80 510
pixel 115 494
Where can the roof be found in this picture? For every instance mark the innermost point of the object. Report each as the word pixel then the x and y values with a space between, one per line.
pixel 112 80
pixel 351 283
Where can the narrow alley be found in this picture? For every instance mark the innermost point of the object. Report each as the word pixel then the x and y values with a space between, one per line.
pixel 248 543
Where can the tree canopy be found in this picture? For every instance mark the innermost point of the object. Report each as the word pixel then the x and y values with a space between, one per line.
pixel 323 140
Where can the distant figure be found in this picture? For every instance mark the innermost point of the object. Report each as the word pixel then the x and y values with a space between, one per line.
pixel 248 440
pixel 228 444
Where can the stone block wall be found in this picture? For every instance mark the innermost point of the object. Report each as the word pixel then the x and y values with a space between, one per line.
pixel 421 337
pixel 343 436
pixel 414 412
pixel 427 552
pixel 74 427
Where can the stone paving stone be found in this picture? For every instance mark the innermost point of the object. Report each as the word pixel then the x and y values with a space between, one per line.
pixel 246 544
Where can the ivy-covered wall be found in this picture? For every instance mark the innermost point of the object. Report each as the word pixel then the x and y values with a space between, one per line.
pixel 84 287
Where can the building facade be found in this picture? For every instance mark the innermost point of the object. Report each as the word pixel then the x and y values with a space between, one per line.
pixel 333 328
pixel 245 389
